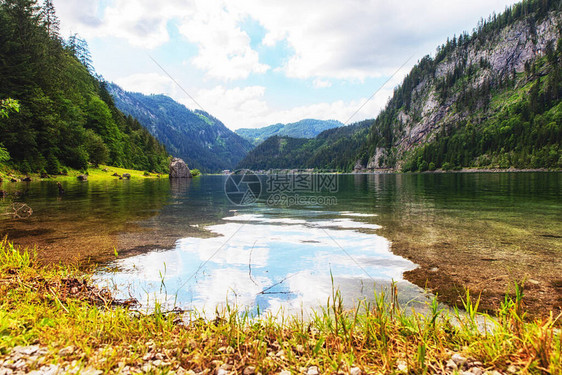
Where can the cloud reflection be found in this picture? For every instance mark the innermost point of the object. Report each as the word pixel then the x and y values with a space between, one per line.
pixel 277 263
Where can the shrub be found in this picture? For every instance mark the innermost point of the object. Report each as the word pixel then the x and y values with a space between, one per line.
pixel 432 166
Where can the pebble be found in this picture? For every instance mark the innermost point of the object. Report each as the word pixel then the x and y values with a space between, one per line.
pixel 402 366
pixel 451 365
pixel 66 351
pixel 222 371
pixel 355 371
pixel 250 370
pixel 47 370
pixel 458 359
pixel 312 370
pixel 285 372
pixel 26 350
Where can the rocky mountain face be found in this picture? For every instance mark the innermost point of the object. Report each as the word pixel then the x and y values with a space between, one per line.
pixel 308 128
pixel 472 79
pixel 198 138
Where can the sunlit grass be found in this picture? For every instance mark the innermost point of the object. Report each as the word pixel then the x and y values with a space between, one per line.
pixel 377 336
pixel 102 172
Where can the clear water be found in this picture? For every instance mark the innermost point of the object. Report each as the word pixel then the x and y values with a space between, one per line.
pixel 185 244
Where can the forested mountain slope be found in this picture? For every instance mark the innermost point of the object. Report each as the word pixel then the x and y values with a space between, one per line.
pixel 308 128
pixel 195 136
pixel 331 149
pixel 66 117
pixel 490 99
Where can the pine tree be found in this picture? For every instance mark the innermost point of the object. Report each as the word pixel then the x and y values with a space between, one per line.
pixel 50 19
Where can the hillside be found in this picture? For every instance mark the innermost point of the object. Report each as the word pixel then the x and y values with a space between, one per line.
pixel 66 116
pixel 490 99
pixel 487 100
pixel 308 128
pixel 285 152
pixel 195 136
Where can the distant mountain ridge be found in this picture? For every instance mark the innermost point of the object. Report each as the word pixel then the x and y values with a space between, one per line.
pixel 281 152
pixel 307 128
pixel 200 139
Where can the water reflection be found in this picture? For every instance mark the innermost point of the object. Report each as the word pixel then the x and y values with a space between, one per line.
pixel 266 260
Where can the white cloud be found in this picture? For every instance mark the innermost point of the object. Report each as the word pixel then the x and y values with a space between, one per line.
pixel 321 83
pixel 346 40
pixel 224 49
pixel 247 107
pixel 147 84
pixel 361 38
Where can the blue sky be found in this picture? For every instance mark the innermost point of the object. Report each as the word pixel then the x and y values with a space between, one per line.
pixel 252 63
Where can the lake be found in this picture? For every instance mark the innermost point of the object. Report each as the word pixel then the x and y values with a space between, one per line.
pixel 276 243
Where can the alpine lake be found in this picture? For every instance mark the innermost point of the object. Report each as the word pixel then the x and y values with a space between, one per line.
pixel 197 244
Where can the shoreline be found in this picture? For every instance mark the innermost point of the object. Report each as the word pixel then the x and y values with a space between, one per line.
pixel 55 320
pixel 464 170
pixel 102 172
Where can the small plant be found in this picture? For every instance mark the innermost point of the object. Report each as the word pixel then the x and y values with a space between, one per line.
pixel 432 166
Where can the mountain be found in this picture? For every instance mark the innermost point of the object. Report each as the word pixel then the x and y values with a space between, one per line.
pixel 308 128
pixel 281 152
pixel 490 99
pixel 66 117
pixel 487 100
pixel 195 136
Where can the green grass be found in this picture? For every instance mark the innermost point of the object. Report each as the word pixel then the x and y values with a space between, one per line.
pixel 37 307
pixel 102 172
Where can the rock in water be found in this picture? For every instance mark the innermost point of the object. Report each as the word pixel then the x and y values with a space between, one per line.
pixel 178 169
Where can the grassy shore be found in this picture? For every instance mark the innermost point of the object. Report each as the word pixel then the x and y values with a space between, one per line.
pixel 101 172
pixel 52 317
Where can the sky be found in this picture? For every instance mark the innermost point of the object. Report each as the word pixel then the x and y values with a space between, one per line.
pixel 253 63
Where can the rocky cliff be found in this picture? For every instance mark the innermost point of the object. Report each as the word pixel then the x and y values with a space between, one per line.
pixel 467 82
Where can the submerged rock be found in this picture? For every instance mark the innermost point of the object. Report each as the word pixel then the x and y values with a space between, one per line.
pixel 178 169
pixel 83 177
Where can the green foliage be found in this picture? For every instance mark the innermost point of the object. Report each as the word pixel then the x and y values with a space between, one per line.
pixel 53 164
pixel 65 116
pixel 4 154
pixel 97 150
pixel 7 106
pixel 195 172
